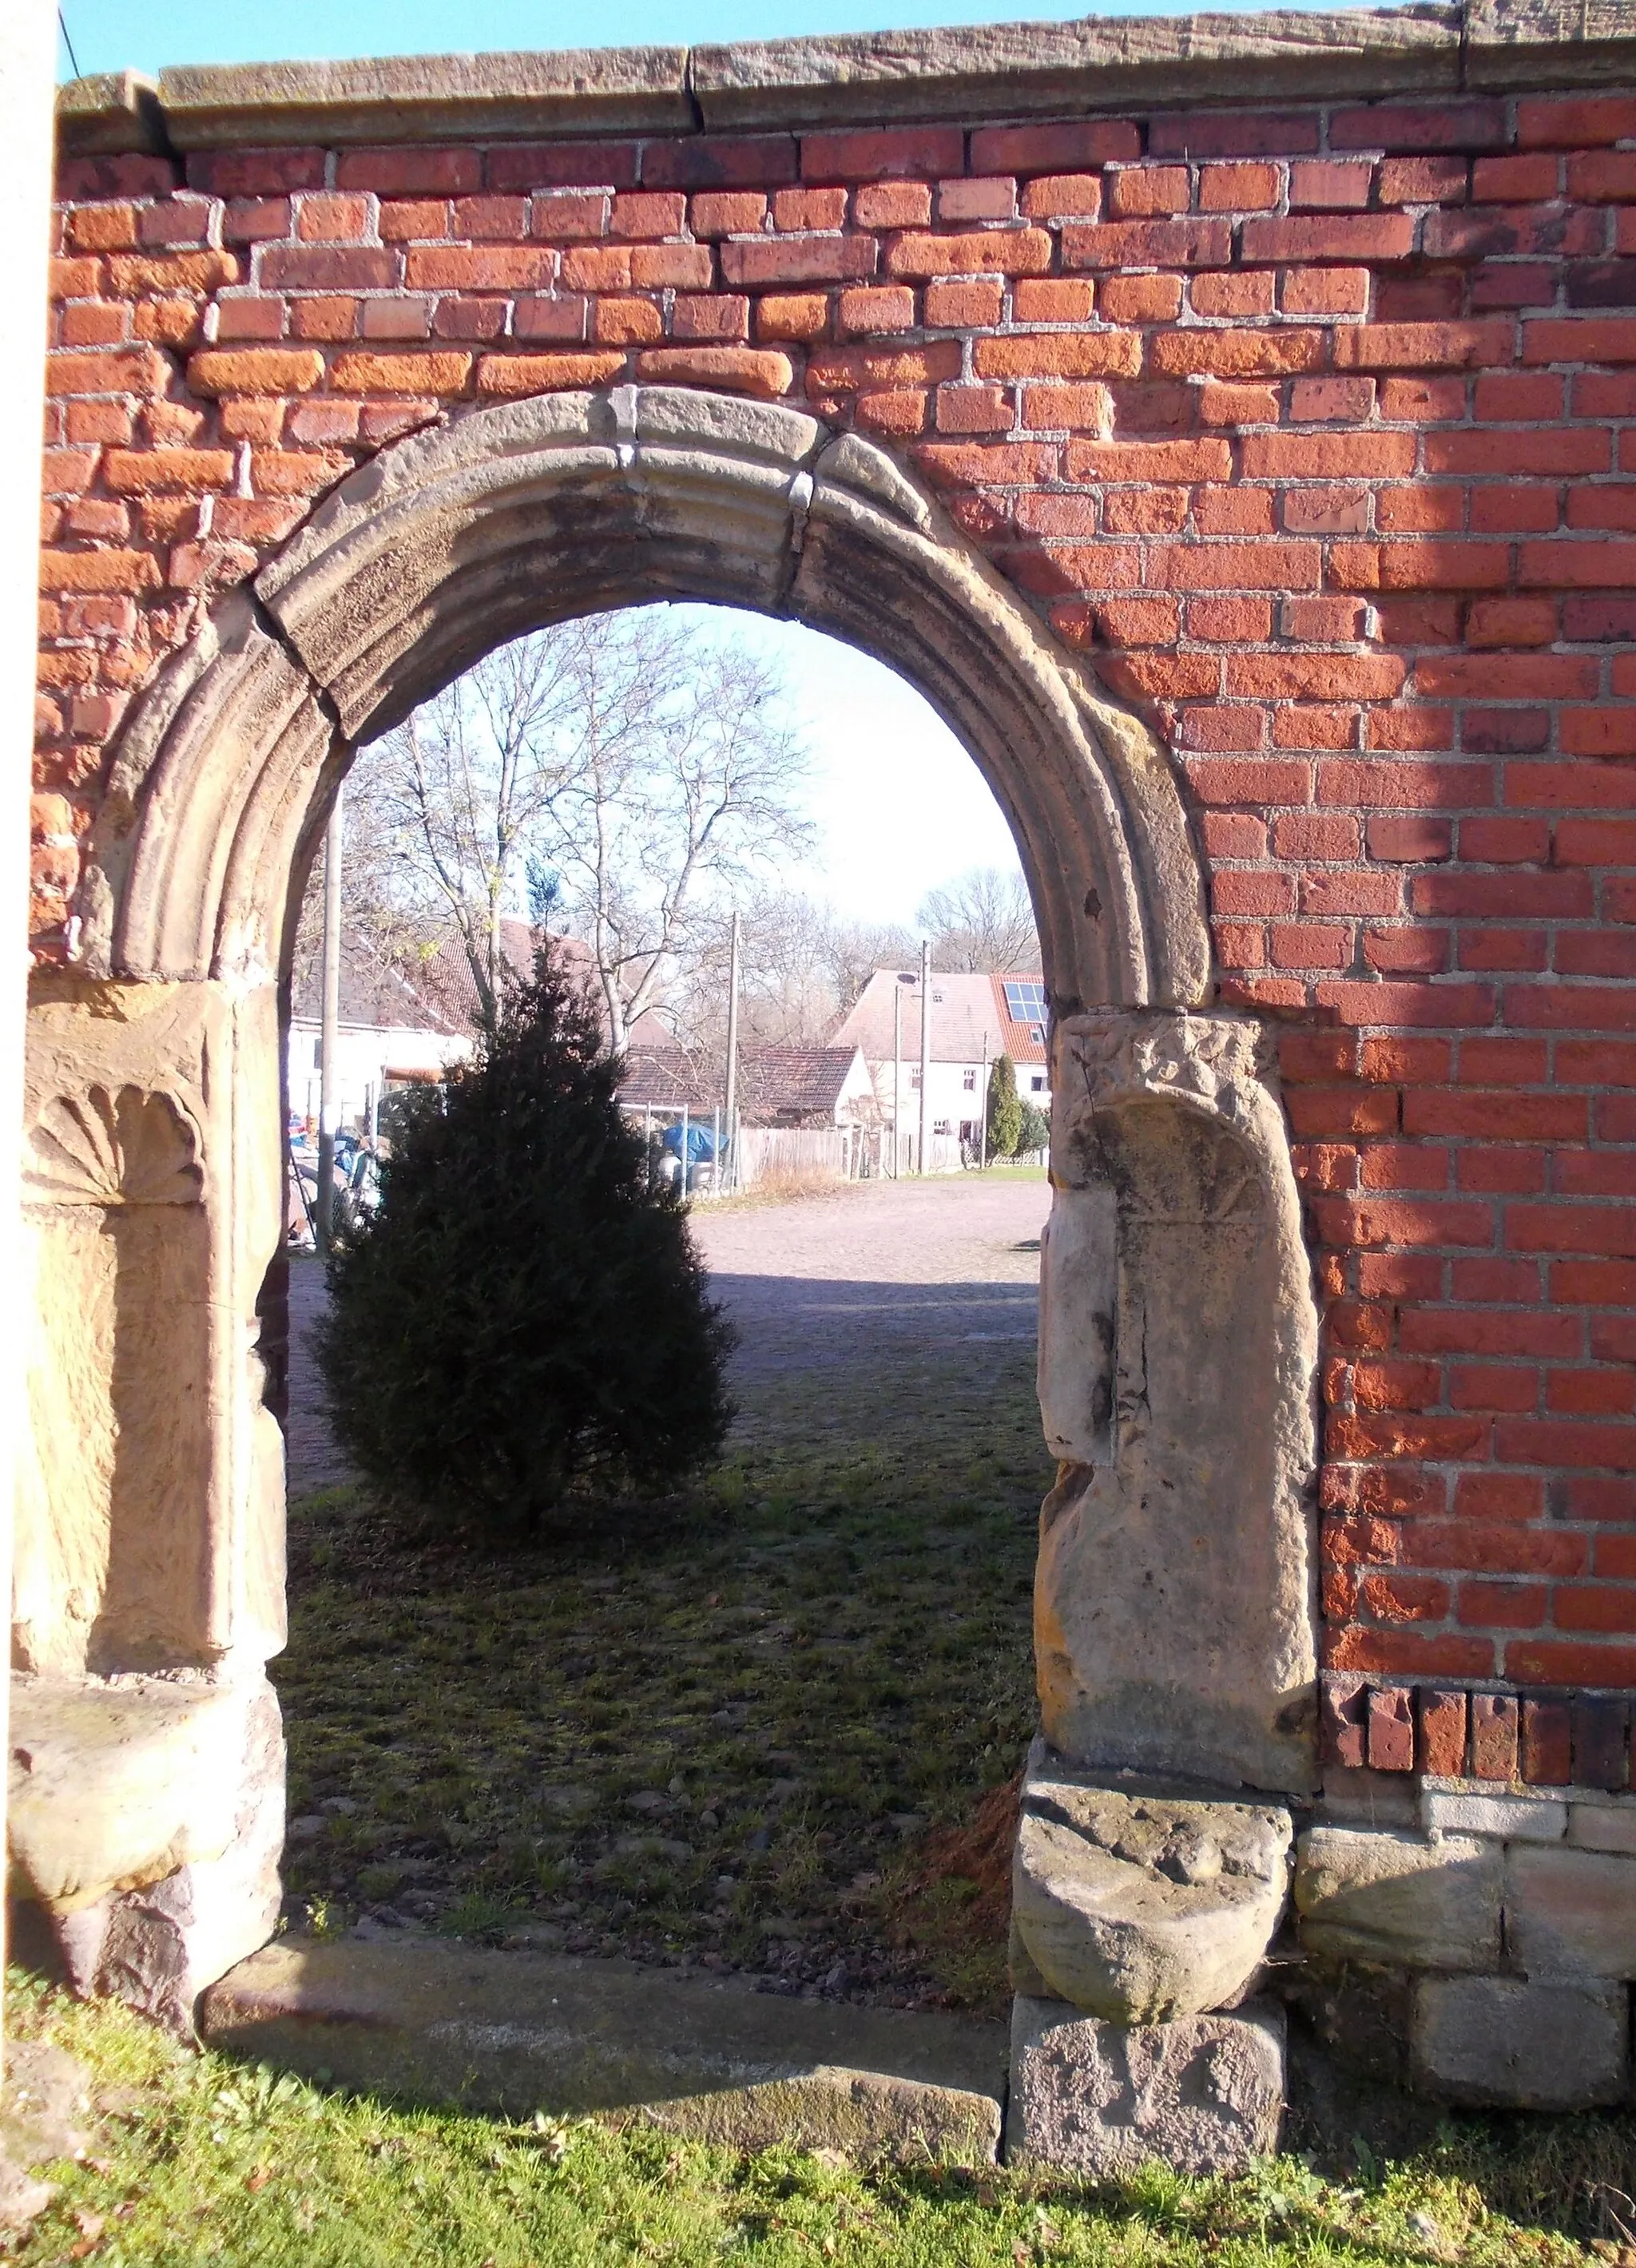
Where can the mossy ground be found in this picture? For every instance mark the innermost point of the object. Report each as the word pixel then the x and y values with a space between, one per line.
pixel 196 2159
pixel 720 1731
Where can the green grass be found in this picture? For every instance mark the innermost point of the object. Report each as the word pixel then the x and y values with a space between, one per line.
pixel 722 1733
pixel 197 2159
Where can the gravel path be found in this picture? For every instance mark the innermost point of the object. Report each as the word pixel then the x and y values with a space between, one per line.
pixel 879 1272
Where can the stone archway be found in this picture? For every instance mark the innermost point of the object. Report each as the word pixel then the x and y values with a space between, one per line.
pixel 150 1576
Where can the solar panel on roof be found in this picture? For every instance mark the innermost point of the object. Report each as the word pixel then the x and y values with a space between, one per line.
pixel 1025 1000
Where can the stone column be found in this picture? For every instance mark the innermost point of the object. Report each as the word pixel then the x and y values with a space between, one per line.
pixel 147 1761
pixel 1174 1615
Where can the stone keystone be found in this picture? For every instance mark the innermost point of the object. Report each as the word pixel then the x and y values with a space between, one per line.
pixel 1141 1902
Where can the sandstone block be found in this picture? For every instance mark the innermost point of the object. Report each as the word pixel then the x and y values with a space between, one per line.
pixel 1139 1903
pixel 1402 1900
pixel 1205 2094
pixel 1603 1827
pixel 1514 1818
pixel 1570 1912
pixel 1505 2043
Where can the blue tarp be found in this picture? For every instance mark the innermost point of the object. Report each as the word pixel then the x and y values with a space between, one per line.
pixel 701 1142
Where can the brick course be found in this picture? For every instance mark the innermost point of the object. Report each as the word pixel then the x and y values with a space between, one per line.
pixel 1313 429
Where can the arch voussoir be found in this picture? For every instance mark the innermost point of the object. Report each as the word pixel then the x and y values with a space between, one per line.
pixel 532 511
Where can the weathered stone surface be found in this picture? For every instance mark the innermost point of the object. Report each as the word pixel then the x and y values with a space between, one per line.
pixel 146 1818
pixel 1511 1818
pixel 1173 1606
pixel 1502 2043
pixel 1204 2095
pixel 515 2031
pixel 1602 1826
pixel 149 1530
pixel 1570 1912
pixel 1403 1900
pixel 1141 1904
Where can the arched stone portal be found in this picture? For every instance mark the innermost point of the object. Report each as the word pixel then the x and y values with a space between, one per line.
pixel 150 1574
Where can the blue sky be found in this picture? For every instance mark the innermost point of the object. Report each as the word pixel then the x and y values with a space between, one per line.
pixel 112 36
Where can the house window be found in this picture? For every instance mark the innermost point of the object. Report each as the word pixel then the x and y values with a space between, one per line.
pixel 941 1126
pixel 968 1081
pixel 914 1074
pixel 318 1055
pixel 1036 1084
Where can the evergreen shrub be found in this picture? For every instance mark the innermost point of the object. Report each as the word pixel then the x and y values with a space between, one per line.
pixel 1036 1130
pixel 525 1321
pixel 1004 1109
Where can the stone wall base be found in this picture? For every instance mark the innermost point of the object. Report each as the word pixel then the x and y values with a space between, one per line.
pixel 1204 2094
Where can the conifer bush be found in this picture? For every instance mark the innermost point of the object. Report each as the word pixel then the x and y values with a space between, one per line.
pixel 1034 1131
pixel 1004 1109
pixel 525 1324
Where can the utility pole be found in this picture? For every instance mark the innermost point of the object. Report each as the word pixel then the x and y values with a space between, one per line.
pixel 897 1076
pixel 731 1096
pixel 330 1028
pixel 983 1121
pixel 925 1047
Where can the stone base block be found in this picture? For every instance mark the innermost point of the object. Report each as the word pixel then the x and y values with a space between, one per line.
pixel 147 1822
pixel 1504 2043
pixel 1204 2094
pixel 1141 1901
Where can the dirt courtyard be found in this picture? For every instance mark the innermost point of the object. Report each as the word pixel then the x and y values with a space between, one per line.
pixel 880 1274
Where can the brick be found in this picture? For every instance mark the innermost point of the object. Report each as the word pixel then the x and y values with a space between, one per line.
pixel 1063 197
pixel 1410 127
pixel 1419 346
pixel 888 153
pixel 1059 354
pixel 741 370
pixel 1235 354
pixel 878 308
pixel 255 369
pixel 108 569
pixel 983 197
pixel 1138 192
pixel 430 373
pixel 509 375
pixel 1036 301
pixel 713 161
pixel 1054 149
pixel 141 472
pixel 1337 236
pixel 340 268
pixel 1391 1728
pixel 752 262
pixel 726 212
pixel 1599 1739
pixel 1495 1735
pixel 624 322
pixel 1324 290
pixel 1327 185
pixel 1140 299
pixel 1219 295
pixel 1002 251
pixel 964 306
pixel 1185 243
pixel 1343 1717
pixel 1442 1730
pixel 798 315
pixel 1421 181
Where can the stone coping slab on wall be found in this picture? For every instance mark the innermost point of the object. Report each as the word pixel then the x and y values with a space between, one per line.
pixel 712 2058
pixel 1016 70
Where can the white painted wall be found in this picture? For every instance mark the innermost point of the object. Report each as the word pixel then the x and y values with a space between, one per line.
pixel 366 1054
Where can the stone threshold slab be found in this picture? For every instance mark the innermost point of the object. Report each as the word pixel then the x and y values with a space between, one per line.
pixel 521 2032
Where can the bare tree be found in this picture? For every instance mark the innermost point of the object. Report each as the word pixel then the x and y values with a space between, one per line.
pixel 982 920
pixel 616 775
pixel 681 788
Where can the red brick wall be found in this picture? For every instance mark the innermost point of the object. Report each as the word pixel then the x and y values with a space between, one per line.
pixel 1312 429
